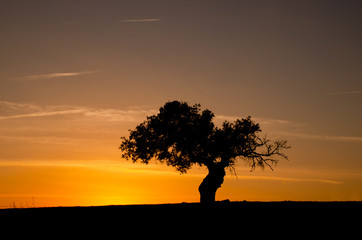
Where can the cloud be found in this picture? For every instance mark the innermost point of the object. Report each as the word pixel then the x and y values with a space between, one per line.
pixel 41 139
pixel 110 165
pixel 281 127
pixel 11 106
pixel 275 127
pixel 43 114
pixel 11 110
pixel 323 137
pixel 344 93
pixel 266 124
pixel 288 179
pixel 262 121
pixel 119 115
pixel 54 75
pixel 64 125
pixel 141 20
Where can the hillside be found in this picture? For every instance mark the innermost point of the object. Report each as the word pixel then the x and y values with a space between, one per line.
pixel 225 208
pixel 227 219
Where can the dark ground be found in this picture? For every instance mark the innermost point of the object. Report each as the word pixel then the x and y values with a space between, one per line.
pixel 258 218
pixel 289 209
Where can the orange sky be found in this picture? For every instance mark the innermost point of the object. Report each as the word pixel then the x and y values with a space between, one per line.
pixel 76 75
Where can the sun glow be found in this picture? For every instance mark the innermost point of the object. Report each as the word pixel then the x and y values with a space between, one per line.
pixel 107 182
pixel 70 183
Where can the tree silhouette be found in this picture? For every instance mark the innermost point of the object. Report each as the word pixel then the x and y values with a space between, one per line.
pixel 182 135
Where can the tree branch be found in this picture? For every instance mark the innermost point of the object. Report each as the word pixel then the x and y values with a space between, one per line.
pixel 270 155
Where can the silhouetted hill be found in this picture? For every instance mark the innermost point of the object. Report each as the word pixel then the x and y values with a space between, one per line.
pixel 224 217
pixel 225 208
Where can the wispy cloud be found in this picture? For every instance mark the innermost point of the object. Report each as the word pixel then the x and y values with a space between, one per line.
pixel 41 139
pixel 119 115
pixel 263 121
pixel 43 114
pixel 289 179
pixel 278 127
pixel 141 20
pixel 13 106
pixel 322 137
pixel 281 127
pixel 125 167
pixel 11 110
pixel 31 123
pixel 344 93
pixel 54 75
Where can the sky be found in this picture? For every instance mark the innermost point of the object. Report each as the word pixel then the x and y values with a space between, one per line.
pixel 76 75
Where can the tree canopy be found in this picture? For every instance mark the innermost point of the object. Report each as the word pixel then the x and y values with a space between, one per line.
pixel 181 135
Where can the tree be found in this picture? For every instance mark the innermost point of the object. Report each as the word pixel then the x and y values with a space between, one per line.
pixel 182 135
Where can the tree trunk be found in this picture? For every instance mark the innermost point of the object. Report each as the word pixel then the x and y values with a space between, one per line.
pixel 211 183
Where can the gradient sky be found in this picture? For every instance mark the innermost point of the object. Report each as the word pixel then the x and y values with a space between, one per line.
pixel 76 75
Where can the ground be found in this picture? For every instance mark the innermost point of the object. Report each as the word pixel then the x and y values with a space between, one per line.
pixel 225 208
pixel 227 219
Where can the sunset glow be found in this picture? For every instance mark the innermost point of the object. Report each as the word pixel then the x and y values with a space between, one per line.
pixel 77 75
